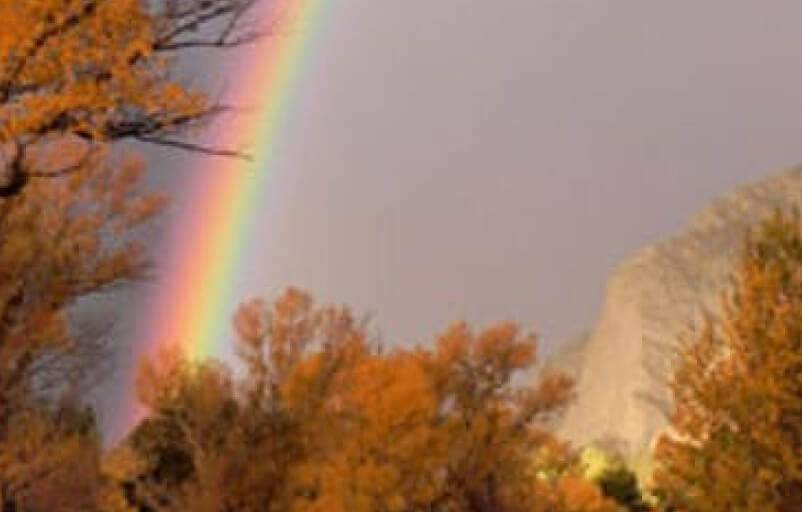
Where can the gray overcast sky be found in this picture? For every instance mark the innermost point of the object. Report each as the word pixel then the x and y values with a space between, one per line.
pixel 452 159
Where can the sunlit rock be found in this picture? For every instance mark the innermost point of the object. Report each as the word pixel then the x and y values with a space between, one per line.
pixel 649 301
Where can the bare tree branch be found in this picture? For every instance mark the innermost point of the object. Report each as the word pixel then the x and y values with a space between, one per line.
pixel 194 148
pixel 194 20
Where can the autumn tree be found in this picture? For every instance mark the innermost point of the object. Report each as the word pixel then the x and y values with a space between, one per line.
pixel 170 459
pixel 213 443
pixel 50 459
pixel 77 76
pixel 61 240
pixel 736 433
pixel 492 428
pixel 94 72
pixel 322 419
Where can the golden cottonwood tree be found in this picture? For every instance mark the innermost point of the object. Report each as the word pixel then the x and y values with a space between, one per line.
pixel 736 440
pixel 49 460
pixel 322 420
pixel 60 240
pixel 98 71
pixel 213 444
pixel 75 77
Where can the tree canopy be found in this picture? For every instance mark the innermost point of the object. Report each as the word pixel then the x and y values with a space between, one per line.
pixel 324 420
pixel 735 433
pixel 93 72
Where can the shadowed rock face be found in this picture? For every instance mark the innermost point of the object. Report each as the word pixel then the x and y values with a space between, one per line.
pixel 650 300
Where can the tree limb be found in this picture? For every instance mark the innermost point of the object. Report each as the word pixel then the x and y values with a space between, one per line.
pixel 194 148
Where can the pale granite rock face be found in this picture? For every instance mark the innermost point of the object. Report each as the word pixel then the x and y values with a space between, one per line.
pixel 650 300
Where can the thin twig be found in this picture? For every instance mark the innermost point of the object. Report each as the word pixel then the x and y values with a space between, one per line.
pixel 194 148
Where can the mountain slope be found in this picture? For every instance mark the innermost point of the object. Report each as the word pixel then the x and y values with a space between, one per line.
pixel 650 300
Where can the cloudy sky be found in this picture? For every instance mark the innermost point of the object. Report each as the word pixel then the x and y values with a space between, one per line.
pixel 451 159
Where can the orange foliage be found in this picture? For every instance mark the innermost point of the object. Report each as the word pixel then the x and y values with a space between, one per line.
pixel 75 77
pixel 49 460
pixel 573 494
pixel 54 249
pixel 93 72
pixel 322 421
pixel 736 429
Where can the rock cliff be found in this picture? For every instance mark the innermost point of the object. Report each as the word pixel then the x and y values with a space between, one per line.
pixel 649 301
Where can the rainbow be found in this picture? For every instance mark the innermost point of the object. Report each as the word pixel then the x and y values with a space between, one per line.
pixel 198 268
